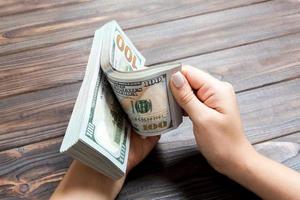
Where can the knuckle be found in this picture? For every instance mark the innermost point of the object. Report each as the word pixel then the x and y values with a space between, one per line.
pixel 212 120
pixel 223 123
pixel 187 97
pixel 207 119
pixel 197 121
pixel 228 86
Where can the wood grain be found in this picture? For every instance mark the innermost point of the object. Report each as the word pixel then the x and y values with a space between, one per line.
pixel 267 112
pixel 177 171
pixel 44 47
pixel 216 31
pixel 33 171
pixel 29 71
pixel 41 68
pixel 253 65
pixel 36 116
pixel 14 7
pixel 260 110
pixel 38 29
pixel 285 150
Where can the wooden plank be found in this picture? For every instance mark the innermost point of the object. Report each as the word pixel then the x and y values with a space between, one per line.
pixel 216 31
pixel 33 171
pixel 285 150
pixel 40 28
pixel 36 116
pixel 176 170
pixel 33 117
pixel 12 7
pixel 193 35
pixel 267 112
pixel 278 59
pixel 173 170
pixel 254 65
pixel 43 68
pixel 270 112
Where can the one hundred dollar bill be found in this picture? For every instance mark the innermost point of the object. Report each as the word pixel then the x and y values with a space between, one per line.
pixel 98 133
pixel 143 92
pixel 118 93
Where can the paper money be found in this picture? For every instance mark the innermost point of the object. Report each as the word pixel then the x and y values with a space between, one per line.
pixel 118 93
pixel 143 92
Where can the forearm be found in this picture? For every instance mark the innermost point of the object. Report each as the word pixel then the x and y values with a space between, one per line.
pixel 82 182
pixel 267 178
pixel 212 106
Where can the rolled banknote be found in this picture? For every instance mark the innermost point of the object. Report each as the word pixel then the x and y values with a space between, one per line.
pixel 98 133
pixel 147 100
pixel 143 92
pixel 118 93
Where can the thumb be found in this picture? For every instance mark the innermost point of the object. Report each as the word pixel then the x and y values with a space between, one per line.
pixel 185 96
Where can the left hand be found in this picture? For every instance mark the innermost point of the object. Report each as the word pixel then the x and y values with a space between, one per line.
pixel 139 149
pixel 83 182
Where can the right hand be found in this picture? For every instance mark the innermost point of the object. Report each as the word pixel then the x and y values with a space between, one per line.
pixel 211 105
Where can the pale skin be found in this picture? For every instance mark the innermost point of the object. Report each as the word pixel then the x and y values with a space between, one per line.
pixel 212 107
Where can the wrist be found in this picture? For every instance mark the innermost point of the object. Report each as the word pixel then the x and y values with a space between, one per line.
pixel 238 160
pixel 242 165
pixel 83 182
pixel 108 188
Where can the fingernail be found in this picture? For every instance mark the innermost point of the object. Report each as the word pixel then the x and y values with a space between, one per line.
pixel 143 137
pixel 178 79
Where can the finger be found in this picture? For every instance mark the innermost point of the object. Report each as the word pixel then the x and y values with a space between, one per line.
pixel 143 137
pixel 153 140
pixel 203 83
pixel 185 96
pixel 184 113
pixel 140 148
pixel 147 142
pixel 198 78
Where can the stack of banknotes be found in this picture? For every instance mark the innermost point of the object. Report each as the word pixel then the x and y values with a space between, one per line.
pixel 118 94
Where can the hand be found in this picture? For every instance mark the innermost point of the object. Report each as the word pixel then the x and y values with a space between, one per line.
pixel 139 149
pixel 211 105
pixel 83 182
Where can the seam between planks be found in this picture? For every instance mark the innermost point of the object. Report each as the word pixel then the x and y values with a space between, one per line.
pixel 275 83
pixel 46 88
pixel 205 13
pixel 276 137
pixel 224 49
pixel 42 8
pixel 131 28
pixel 268 84
pixel 170 61
pixel 61 136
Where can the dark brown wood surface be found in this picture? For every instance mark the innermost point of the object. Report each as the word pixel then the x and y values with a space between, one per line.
pixel 44 47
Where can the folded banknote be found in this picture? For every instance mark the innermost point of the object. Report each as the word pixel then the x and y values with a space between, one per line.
pixel 118 94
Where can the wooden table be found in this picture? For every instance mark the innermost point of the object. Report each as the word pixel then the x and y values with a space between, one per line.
pixel 44 48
